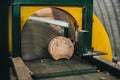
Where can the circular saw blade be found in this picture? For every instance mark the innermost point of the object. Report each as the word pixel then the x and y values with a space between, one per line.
pixel 36 35
pixel 35 39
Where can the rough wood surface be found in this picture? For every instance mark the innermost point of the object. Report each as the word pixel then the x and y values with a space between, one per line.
pixel 61 47
pixel 21 69
pixel 48 14
pixel 118 62
pixel 44 13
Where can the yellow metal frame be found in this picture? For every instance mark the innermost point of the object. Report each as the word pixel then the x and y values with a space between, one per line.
pixel 100 40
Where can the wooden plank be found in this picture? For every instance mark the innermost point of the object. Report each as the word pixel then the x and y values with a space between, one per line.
pixel 21 70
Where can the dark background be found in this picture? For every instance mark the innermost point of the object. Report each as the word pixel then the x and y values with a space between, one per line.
pixel 4 61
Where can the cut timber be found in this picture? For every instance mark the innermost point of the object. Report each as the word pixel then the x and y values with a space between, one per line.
pixel 47 13
pixel 118 62
pixel 21 69
pixel 44 13
pixel 61 47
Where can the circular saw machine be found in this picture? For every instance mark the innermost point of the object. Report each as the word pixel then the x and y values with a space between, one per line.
pixel 59 40
pixel 41 28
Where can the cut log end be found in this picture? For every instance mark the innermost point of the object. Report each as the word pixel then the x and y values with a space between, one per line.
pixel 61 47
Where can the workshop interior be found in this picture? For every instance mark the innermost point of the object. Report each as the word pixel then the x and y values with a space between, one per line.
pixel 64 39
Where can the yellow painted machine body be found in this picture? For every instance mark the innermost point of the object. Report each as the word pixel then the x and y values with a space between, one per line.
pixel 100 39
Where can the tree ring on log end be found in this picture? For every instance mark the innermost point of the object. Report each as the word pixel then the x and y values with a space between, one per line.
pixel 61 47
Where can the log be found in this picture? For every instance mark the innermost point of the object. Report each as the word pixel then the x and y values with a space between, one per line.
pixel 61 47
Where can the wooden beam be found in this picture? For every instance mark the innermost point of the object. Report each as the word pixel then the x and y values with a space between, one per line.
pixel 21 69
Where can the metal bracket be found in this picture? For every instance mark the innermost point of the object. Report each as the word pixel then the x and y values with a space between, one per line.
pixel 95 53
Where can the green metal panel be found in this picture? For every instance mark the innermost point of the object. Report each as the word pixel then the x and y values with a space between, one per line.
pixel 16 33
pixel 82 42
pixel 63 74
pixel 51 2
pixel 49 68
pixel 4 55
pixel 87 23
pixel 91 76
pixel 66 32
